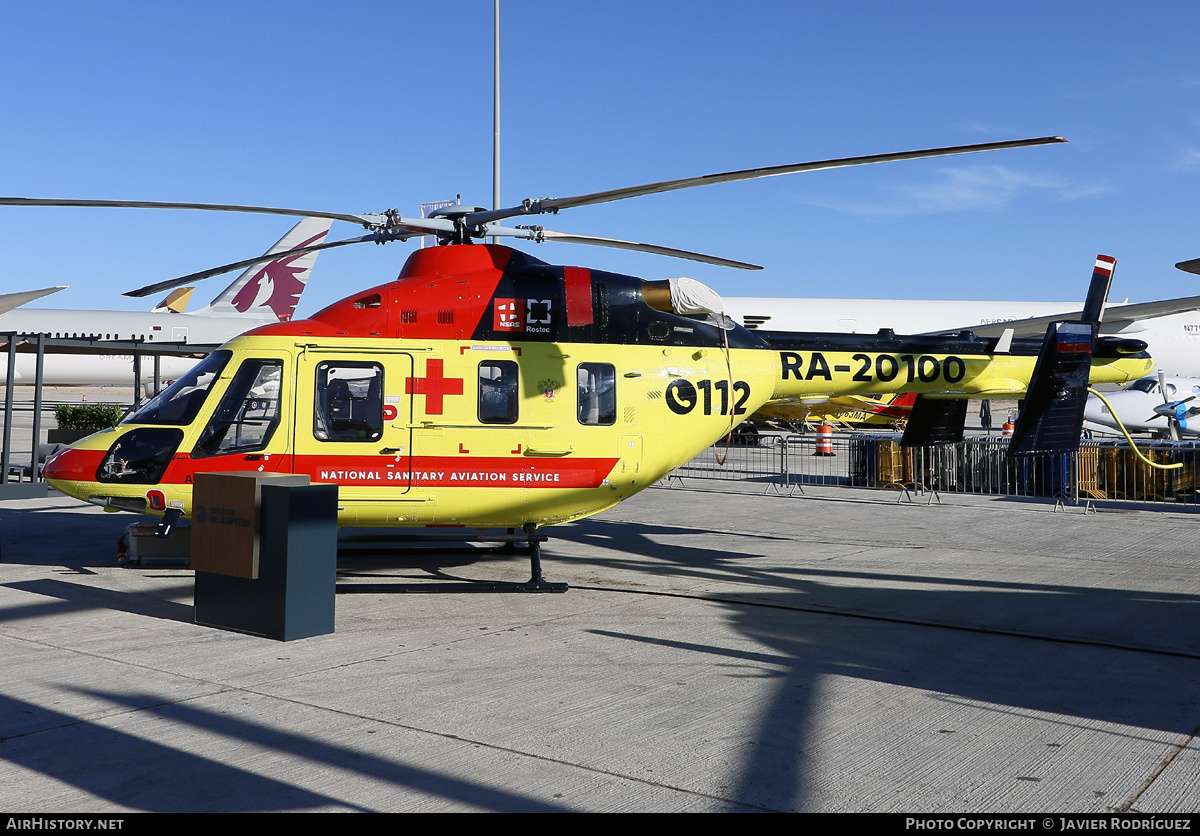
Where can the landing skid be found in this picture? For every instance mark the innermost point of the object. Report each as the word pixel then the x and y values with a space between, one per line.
pixel 511 541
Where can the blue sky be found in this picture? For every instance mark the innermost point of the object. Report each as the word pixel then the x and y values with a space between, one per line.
pixel 362 107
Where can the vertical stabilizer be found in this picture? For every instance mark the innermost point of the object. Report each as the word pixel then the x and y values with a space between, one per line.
pixel 272 290
pixel 1102 276
pixel 1052 419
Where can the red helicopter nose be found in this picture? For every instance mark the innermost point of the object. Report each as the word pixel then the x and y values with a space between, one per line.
pixel 71 465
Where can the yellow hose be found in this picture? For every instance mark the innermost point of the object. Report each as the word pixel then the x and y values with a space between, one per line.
pixel 1128 438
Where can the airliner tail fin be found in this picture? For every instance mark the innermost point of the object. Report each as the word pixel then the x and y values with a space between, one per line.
pixel 273 288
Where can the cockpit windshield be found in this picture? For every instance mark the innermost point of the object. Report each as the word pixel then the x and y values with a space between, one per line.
pixel 1146 384
pixel 179 403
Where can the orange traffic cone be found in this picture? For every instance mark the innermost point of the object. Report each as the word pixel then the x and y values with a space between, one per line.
pixel 824 440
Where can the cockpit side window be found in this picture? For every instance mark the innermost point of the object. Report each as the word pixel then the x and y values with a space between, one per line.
pixel 499 397
pixel 179 403
pixel 248 414
pixel 349 402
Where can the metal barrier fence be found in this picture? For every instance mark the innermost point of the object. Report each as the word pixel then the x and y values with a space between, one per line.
pixel 762 461
pixel 1106 470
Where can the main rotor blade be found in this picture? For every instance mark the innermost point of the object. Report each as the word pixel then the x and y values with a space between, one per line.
pixel 212 207
pixel 158 287
pixel 533 207
pixel 540 235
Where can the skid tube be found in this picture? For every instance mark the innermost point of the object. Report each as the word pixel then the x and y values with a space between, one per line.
pixel 527 536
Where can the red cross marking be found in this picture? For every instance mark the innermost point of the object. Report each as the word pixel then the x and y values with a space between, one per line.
pixel 433 386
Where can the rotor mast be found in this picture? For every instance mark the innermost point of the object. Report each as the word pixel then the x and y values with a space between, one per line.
pixel 496 110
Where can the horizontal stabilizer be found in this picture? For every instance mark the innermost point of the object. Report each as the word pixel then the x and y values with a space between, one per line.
pixel 997 387
pixel 9 301
pixel 935 422
pixel 176 301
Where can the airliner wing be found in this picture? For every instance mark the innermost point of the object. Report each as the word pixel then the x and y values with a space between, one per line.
pixel 8 301
pixel 1116 318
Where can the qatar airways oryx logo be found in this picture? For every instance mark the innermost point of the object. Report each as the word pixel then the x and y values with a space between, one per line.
pixel 529 315
pixel 277 286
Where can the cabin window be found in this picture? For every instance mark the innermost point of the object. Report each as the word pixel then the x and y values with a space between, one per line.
pixel 597 394
pixel 349 402
pixel 498 392
pixel 180 402
pixel 247 416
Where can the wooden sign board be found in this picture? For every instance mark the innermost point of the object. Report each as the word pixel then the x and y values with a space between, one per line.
pixel 225 520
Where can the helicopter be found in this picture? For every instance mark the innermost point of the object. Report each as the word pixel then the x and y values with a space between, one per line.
pixel 485 388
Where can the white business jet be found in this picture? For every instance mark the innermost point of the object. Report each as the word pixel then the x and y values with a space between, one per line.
pixel 265 293
pixel 1167 406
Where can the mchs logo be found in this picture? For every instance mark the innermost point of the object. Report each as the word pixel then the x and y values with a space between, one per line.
pixel 531 316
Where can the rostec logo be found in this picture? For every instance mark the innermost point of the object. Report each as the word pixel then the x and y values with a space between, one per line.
pixel 509 314
pixel 537 316
pixel 529 315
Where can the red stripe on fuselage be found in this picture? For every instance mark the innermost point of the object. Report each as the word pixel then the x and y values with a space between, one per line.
pixel 579 295
pixel 74 465
pixel 419 471
pixel 457 471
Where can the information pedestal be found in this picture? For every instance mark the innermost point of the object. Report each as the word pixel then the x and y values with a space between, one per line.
pixel 264 547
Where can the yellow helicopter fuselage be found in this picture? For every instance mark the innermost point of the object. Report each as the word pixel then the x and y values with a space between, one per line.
pixel 484 388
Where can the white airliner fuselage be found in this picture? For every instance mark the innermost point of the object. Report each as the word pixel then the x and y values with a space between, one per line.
pixel 267 292
pixel 81 369
pixel 1173 340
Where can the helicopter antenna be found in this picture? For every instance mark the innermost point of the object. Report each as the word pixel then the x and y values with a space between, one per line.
pixel 496 110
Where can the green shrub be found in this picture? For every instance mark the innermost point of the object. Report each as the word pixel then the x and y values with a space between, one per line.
pixel 87 416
